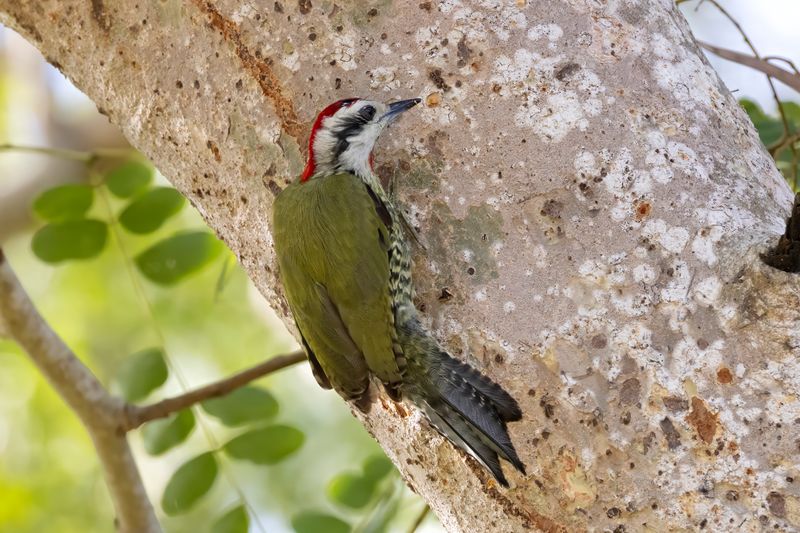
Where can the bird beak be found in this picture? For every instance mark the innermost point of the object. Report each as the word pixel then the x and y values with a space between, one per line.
pixel 396 108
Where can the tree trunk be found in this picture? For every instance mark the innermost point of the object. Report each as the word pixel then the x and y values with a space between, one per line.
pixel 592 198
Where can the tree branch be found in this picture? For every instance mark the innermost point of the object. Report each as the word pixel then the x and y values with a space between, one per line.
pixel 138 415
pixel 781 110
pixel 99 412
pixel 761 65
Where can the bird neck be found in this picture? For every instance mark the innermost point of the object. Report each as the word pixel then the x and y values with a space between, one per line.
pixel 367 175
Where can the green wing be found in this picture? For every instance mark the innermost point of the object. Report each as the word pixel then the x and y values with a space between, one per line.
pixel 332 249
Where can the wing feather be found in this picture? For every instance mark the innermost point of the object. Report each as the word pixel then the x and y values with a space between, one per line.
pixel 332 251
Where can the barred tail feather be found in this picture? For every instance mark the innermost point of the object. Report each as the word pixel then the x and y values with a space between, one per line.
pixel 465 406
pixel 476 408
pixel 451 426
pixel 506 406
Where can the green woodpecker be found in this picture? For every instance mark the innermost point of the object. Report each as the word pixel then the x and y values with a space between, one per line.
pixel 345 265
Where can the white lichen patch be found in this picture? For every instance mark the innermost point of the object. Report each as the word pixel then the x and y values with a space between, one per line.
pixel 732 412
pixel 517 69
pixel 706 292
pixel 677 289
pixel 585 163
pixel 671 239
pixel 496 248
pixel 689 361
pixel 384 78
pixel 593 271
pixel 635 340
pixel 687 81
pixel 552 32
pixel 685 159
pixel 245 11
pixel 559 96
pixel 661 46
pixel 427 34
pixel 632 303
pixel 665 157
pixel 704 243
pixel 443 114
pixel 619 176
pixel 657 158
pixel 645 274
pixel 496 17
pixel 554 118
pixel 726 216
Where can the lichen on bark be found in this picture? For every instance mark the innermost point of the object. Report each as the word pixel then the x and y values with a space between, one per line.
pixel 611 182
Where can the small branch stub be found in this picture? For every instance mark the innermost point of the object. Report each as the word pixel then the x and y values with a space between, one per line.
pixel 786 255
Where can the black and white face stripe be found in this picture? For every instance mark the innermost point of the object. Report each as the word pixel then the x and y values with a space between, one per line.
pixel 342 141
pixel 350 126
pixel 345 140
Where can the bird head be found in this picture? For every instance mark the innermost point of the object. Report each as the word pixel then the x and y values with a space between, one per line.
pixel 344 134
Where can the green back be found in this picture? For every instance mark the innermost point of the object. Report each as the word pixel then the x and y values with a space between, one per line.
pixel 332 249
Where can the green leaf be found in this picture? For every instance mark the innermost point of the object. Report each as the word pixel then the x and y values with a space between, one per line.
pixel 770 129
pixel 266 446
pixel 149 211
pixel 189 483
pixel 142 373
pixel 64 203
pixel 792 111
pixel 174 258
pixel 247 404
pixel 351 490
pixel 313 522
pixel 161 435
pixel 234 521
pixel 71 239
pixel 376 467
pixel 129 178
pixel 753 109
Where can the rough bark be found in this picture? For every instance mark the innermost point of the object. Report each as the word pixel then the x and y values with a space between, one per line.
pixel 593 201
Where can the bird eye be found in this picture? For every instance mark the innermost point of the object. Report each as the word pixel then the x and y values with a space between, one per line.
pixel 367 112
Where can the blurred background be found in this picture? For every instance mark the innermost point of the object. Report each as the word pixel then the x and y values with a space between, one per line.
pixel 206 325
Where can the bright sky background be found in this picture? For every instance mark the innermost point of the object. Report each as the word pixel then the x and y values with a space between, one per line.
pixel 773 26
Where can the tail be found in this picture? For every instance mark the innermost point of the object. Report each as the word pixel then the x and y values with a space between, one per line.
pixel 465 406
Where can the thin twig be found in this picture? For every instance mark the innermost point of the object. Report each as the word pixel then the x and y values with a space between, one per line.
pixel 74 155
pixel 60 153
pixel 138 415
pixel 752 48
pixel 99 412
pixel 785 60
pixel 789 78
pixel 420 519
pixel 784 119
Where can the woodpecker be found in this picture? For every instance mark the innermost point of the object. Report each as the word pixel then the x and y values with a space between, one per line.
pixel 345 264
